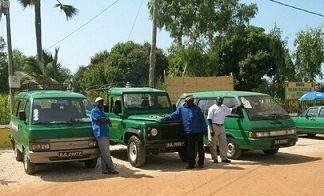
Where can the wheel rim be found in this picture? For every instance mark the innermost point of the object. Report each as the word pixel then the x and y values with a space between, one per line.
pixel 132 151
pixel 230 149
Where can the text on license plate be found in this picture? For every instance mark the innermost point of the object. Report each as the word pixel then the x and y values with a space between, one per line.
pixel 282 141
pixel 174 144
pixel 70 154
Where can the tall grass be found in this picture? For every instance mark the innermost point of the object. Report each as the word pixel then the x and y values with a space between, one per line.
pixel 4 110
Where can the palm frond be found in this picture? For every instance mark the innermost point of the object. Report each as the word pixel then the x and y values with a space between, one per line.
pixel 26 3
pixel 69 10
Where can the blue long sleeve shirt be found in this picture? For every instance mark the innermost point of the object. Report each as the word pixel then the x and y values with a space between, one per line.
pixel 99 129
pixel 192 118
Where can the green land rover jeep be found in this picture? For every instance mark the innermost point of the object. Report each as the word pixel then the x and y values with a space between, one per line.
pixel 136 115
pixel 49 126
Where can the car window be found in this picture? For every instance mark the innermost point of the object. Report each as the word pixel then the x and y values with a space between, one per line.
pixel 27 110
pixel 321 114
pixel 231 102
pixel 312 112
pixel 202 104
pixel 21 107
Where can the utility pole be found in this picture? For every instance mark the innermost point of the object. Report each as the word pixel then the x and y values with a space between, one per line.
pixel 5 10
pixel 153 46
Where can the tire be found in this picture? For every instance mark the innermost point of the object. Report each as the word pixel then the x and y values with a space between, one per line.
pixel 271 151
pixel 311 134
pixel 29 167
pixel 136 152
pixel 18 155
pixel 92 163
pixel 233 151
pixel 183 155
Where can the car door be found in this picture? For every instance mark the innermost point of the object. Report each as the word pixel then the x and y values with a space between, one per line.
pixel 308 121
pixel 22 124
pixel 115 116
pixel 320 121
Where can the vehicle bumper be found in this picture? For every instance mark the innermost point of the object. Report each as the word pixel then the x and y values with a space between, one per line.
pixel 270 143
pixel 53 156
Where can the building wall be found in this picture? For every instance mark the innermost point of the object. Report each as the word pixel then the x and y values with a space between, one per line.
pixel 178 85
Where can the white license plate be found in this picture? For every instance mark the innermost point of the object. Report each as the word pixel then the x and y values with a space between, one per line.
pixel 174 144
pixel 70 154
pixel 281 141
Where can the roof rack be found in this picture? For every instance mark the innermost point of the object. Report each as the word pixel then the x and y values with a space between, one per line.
pixel 34 86
pixel 111 85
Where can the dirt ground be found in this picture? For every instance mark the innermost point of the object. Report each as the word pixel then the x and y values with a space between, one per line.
pixel 294 171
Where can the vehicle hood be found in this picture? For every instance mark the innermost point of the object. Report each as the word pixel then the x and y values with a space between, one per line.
pixel 60 131
pixel 147 117
pixel 272 124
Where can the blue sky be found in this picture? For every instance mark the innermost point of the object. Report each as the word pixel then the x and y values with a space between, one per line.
pixel 114 26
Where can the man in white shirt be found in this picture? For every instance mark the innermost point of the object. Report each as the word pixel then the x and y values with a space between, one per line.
pixel 216 117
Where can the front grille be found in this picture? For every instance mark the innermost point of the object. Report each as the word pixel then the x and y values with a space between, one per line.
pixel 70 145
pixel 171 131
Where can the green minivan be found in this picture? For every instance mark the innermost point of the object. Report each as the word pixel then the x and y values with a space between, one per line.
pixel 261 125
pixel 49 126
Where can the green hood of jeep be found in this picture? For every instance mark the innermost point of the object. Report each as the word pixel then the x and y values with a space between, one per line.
pixel 147 117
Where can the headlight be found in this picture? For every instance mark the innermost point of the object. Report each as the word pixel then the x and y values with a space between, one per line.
pixel 154 132
pixel 92 143
pixel 291 131
pixel 40 147
pixel 259 134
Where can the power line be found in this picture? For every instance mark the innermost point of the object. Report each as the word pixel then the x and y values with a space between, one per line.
pixel 297 8
pixel 135 20
pixel 83 25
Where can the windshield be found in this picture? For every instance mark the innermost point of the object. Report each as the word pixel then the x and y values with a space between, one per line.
pixel 263 108
pixel 61 110
pixel 146 101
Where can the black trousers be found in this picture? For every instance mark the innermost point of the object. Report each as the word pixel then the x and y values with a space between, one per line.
pixel 191 141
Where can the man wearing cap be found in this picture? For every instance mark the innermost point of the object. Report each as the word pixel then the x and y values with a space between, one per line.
pixel 195 127
pixel 101 132
pixel 216 117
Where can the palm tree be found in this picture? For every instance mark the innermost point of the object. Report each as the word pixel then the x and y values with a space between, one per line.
pixel 48 72
pixel 68 10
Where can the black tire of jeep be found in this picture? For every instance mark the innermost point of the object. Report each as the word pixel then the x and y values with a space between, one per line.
pixel 92 163
pixel 183 155
pixel 233 151
pixel 136 152
pixel 311 134
pixel 271 151
pixel 18 155
pixel 29 167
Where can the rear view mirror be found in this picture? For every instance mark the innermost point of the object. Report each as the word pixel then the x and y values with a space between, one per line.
pixel 174 107
pixel 22 116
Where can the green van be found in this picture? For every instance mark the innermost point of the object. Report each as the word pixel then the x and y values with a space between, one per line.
pixel 49 126
pixel 262 125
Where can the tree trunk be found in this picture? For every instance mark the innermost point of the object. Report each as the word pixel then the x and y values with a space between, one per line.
pixel 153 46
pixel 38 30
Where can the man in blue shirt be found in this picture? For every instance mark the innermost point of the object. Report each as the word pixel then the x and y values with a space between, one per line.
pixel 101 132
pixel 195 128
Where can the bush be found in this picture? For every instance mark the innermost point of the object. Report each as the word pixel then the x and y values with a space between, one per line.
pixel 4 110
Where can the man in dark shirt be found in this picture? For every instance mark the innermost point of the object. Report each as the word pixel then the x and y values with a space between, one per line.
pixel 195 128
pixel 101 132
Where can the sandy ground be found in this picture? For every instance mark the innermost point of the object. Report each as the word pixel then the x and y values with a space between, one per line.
pixel 297 170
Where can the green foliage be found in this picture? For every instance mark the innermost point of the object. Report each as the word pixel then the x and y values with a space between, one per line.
pixel 248 53
pixel 126 62
pixel 197 20
pixel 4 110
pixel 309 54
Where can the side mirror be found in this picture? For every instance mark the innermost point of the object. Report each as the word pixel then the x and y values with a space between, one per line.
pixel 22 116
pixel 106 108
pixel 174 107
